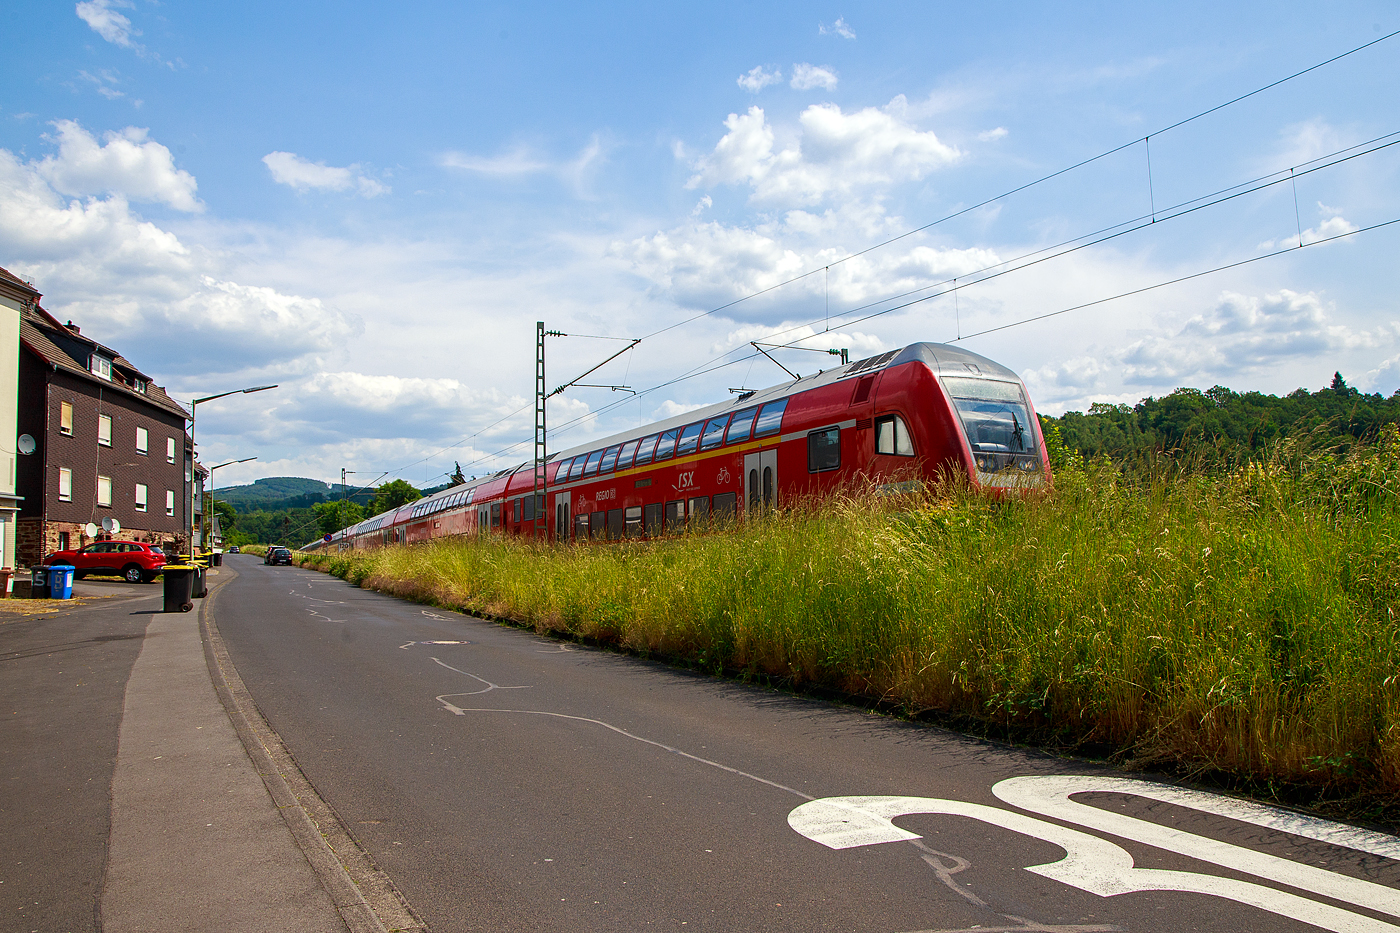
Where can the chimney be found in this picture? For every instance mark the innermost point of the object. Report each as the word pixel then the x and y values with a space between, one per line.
pixel 74 328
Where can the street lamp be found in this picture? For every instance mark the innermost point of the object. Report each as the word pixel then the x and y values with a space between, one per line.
pixel 190 499
pixel 209 507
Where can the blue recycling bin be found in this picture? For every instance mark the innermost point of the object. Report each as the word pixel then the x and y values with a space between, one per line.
pixel 60 583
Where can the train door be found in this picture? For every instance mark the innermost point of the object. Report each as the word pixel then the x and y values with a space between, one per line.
pixel 561 516
pixel 761 480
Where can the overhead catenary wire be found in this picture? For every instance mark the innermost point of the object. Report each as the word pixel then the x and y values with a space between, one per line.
pixel 951 216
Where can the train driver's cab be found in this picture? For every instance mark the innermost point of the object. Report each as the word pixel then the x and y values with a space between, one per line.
pixel 1000 430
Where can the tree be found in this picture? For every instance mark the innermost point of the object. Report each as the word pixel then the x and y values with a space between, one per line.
pixel 228 516
pixel 338 514
pixel 392 495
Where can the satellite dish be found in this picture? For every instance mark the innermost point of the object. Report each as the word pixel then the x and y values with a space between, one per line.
pixel 27 445
pixel 116 526
pixel 110 525
pixel 90 530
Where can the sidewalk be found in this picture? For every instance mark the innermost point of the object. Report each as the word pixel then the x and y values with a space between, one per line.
pixel 197 843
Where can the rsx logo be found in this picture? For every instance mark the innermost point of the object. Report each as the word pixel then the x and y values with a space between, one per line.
pixel 1095 865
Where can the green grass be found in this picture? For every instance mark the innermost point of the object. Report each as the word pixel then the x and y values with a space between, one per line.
pixel 1240 622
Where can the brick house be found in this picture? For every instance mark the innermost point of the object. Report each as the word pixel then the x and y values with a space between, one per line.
pixel 15 294
pixel 109 443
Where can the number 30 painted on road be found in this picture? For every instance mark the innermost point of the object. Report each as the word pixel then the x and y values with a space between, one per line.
pixel 1098 866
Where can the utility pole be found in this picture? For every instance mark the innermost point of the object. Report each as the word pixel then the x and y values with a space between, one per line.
pixel 541 519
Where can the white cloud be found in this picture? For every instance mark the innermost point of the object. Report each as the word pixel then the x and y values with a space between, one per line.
pixel 128 164
pixel 103 82
pixel 838 28
pixel 805 77
pixel 836 154
pixel 1332 225
pixel 290 169
pixel 521 161
pixel 989 136
pixel 757 79
pixel 107 22
pixel 134 284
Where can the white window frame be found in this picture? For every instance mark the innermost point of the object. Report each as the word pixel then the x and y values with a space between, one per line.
pixel 104 492
pixel 101 366
pixel 140 497
pixel 170 450
pixel 65 484
pixel 65 418
pixel 104 430
pixel 170 502
pixel 143 441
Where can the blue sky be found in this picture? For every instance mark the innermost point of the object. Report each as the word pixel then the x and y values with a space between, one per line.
pixel 372 207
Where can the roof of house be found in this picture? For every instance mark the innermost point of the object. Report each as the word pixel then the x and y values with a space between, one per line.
pixel 55 343
pixel 15 283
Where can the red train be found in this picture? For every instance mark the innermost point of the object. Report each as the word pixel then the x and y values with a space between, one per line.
pixel 906 414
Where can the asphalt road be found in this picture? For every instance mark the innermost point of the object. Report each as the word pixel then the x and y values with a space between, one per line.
pixel 507 782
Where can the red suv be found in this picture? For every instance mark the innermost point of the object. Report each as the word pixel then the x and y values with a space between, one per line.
pixel 134 562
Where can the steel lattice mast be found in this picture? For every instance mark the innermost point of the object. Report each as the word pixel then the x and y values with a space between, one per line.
pixel 541 523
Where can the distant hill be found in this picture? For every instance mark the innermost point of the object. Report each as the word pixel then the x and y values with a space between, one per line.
pixel 277 492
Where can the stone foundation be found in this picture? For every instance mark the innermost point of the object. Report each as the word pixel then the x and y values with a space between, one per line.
pixel 37 539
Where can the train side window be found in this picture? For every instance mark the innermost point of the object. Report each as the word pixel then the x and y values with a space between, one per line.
pixel 616 524
pixel 580 527
pixel 740 427
pixel 576 471
pixel 699 510
pixel 591 467
pixel 633 521
pixel 495 515
pixel 675 515
pixel 666 445
pixel 529 501
pixel 689 438
pixel 644 450
pixel 724 506
pixel 555 470
pixel 515 511
pixel 597 524
pixel 610 459
pixel 714 433
pixel 824 450
pixel 624 459
pixel 653 519
pixel 770 418
pixel 892 437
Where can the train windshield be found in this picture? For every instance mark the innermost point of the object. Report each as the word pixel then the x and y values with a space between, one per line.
pixel 996 418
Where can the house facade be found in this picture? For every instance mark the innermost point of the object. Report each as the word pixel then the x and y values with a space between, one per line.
pixel 108 444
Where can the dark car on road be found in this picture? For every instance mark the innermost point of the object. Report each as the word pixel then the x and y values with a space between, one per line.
pixel 278 555
pixel 133 561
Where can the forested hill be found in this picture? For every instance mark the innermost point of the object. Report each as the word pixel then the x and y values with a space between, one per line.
pixel 276 492
pixel 1338 414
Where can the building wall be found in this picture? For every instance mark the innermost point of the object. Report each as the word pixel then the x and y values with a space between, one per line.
pixel 44 514
pixel 9 415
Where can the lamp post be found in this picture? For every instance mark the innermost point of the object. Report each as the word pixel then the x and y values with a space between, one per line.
pixel 209 502
pixel 190 499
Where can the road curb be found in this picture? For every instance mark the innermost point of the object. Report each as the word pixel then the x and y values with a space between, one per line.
pixel 367 900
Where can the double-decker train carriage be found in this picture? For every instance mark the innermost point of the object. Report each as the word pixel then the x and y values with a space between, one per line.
pixel 912 413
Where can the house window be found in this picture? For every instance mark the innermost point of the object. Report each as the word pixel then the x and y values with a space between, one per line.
pixel 63 540
pixel 170 502
pixel 140 386
pixel 170 450
pixel 65 418
pixel 101 366
pixel 65 484
pixel 143 440
pixel 104 491
pixel 140 497
pixel 104 430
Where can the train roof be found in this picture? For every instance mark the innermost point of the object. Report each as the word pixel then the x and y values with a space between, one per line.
pixel 939 357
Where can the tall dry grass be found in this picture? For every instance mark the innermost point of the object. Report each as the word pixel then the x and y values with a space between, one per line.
pixel 1241 621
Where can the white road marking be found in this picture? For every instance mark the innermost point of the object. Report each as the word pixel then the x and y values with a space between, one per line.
pixel 1100 867
pixel 458 711
pixel 434 615
pixel 412 643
